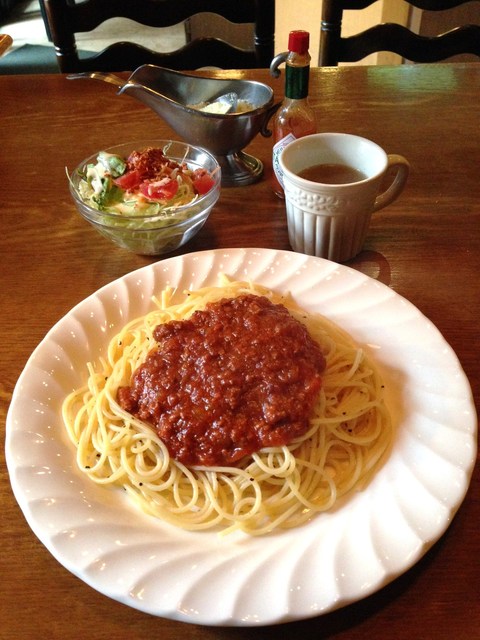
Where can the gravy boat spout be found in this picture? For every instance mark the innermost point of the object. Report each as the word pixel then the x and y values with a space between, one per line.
pixel 179 97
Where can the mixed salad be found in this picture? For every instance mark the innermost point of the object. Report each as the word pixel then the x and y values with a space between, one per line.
pixel 145 183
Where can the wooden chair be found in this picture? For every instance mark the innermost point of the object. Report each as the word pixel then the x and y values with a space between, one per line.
pixel 392 37
pixel 65 18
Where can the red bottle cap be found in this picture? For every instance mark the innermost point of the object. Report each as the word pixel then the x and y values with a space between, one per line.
pixel 298 41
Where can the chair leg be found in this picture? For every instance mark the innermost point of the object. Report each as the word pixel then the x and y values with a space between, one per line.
pixel 45 21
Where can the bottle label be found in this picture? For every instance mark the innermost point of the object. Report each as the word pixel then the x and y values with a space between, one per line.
pixel 296 82
pixel 277 149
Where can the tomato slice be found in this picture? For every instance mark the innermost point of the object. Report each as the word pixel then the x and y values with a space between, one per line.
pixel 129 181
pixel 202 181
pixel 163 189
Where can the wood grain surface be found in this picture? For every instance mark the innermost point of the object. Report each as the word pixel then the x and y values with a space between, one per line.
pixel 425 246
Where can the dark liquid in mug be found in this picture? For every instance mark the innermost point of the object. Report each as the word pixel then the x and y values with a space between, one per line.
pixel 332 174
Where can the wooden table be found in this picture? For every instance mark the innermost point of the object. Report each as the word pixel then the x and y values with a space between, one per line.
pixel 426 246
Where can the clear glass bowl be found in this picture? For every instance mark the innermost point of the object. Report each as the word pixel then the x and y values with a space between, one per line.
pixel 159 233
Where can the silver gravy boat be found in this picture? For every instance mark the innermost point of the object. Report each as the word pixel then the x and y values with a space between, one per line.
pixel 172 94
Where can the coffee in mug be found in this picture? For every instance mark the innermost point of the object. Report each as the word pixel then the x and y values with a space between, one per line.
pixel 332 173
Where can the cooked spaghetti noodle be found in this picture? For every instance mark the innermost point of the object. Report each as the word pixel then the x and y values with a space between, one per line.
pixel 278 487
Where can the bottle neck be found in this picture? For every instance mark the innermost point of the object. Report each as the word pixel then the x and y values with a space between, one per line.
pixel 296 81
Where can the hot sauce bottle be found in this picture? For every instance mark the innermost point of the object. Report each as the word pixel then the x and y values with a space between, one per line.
pixel 294 118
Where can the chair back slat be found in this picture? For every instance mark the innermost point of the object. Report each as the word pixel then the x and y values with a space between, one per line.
pixel 122 56
pixel 400 40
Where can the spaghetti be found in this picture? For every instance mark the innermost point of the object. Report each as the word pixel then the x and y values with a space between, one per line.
pixel 277 487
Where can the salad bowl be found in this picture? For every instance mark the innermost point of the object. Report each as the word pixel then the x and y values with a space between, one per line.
pixel 158 226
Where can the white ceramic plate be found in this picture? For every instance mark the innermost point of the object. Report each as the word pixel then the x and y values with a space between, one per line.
pixel 336 559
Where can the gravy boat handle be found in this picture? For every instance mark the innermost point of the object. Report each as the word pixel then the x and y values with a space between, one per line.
pixel 265 131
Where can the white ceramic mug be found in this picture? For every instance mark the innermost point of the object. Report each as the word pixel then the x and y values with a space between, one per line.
pixel 331 220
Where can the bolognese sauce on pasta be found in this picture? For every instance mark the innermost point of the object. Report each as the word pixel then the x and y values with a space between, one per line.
pixel 240 375
pixel 232 409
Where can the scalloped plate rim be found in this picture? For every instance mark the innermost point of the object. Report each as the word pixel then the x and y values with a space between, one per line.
pixel 276 259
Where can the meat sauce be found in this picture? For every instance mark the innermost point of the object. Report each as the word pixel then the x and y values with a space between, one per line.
pixel 241 375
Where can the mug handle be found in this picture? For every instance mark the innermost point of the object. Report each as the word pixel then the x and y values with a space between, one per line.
pixel 402 166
